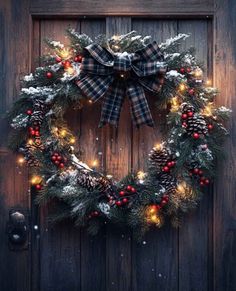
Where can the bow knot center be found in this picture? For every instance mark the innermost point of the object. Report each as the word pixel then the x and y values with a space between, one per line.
pixel 122 62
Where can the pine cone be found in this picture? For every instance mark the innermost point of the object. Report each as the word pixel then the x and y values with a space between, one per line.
pixel 196 124
pixel 160 157
pixel 87 181
pixel 167 181
pixel 29 157
pixel 39 105
pixel 104 185
pixel 187 108
pixel 39 112
pixel 37 116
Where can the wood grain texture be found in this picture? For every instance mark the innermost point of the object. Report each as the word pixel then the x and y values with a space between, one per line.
pixel 195 254
pixel 121 7
pixel 60 254
pixel 93 249
pixel 225 197
pixel 14 52
pixel 118 163
pixel 155 261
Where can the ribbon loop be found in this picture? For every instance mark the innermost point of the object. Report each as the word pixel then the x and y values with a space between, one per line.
pixel 102 73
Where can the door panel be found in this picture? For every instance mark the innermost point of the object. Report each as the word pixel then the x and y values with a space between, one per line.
pixel 113 260
pixel 199 256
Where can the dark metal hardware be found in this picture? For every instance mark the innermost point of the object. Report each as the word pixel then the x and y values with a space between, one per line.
pixel 17 229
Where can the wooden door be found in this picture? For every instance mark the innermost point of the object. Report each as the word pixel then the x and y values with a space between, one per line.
pixel 199 256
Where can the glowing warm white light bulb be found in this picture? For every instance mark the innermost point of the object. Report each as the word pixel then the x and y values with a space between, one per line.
pixel 35 180
pixel 182 87
pixel 20 160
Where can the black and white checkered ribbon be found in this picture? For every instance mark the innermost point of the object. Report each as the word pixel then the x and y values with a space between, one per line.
pixel 116 75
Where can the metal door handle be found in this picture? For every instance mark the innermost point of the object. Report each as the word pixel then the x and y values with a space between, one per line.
pixel 17 230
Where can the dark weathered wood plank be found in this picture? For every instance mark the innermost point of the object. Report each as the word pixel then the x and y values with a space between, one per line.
pixel 93 251
pixel 195 254
pixel 59 244
pixel 14 52
pixel 224 198
pixel 155 259
pixel 118 163
pixel 121 7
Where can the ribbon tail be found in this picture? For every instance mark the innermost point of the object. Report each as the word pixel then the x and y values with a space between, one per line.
pixel 112 104
pixel 140 111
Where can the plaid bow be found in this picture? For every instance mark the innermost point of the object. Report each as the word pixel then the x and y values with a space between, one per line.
pixel 117 75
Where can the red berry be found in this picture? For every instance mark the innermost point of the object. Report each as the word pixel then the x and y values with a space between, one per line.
pixel 29 112
pixel 56 154
pixel 169 164
pixel 210 126
pixel 59 158
pixel 182 70
pixel 191 91
pixel 53 158
pixel 122 193
pixel 95 213
pixel 49 75
pixel 37 133
pixel 58 59
pixel 61 165
pixel 200 172
pixel 196 135
pixel 188 70
pixel 207 182
pixel 184 124
pixel 118 203
pixel 190 114
pixel 196 171
pixel 38 187
pixel 36 128
pixel 184 116
pixel 133 190
pixel 125 200
pixel 67 64
pixel 57 163
pixel 129 188
pixel 202 179
pixel 78 59
pixel 172 163
pixel 163 203
pixel 202 183
pixel 166 169
pixel 165 197
pixel 32 132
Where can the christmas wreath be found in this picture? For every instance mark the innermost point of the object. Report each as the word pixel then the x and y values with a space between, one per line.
pixel 113 68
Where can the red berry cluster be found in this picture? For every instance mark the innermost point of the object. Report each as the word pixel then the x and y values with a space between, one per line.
pixel 203 181
pixel 164 201
pixel 34 131
pixel 168 166
pixel 93 214
pixel 58 160
pixel 124 195
pixel 78 59
pixel 184 70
